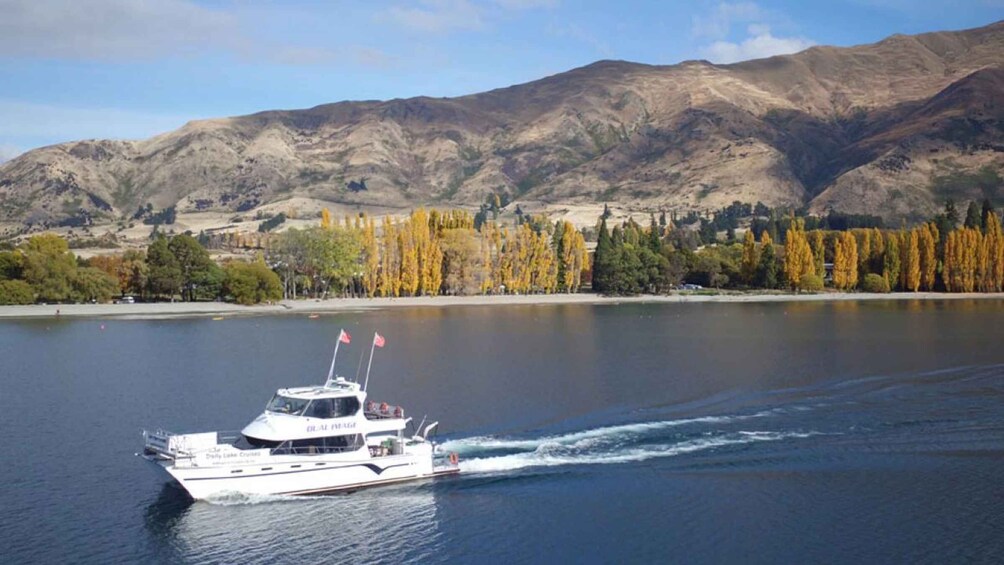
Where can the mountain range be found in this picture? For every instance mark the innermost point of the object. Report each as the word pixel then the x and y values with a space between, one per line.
pixel 892 129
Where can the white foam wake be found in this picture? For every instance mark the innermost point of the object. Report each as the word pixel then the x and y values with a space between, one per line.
pixel 554 454
pixel 480 444
pixel 233 498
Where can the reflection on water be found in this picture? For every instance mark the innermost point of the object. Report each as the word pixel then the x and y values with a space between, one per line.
pixel 629 433
pixel 378 525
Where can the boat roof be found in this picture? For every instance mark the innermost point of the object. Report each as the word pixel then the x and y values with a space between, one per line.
pixel 335 388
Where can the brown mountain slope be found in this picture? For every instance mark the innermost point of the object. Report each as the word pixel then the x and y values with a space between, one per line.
pixel 871 128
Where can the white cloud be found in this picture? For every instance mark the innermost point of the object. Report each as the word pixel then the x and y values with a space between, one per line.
pixel 130 30
pixel 8 152
pixel 111 29
pixel 43 121
pixel 527 4
pixel 436 16
pixel 572 30
pixel 729 44
pixel 440 16
pixel 718 24
pixel 758 44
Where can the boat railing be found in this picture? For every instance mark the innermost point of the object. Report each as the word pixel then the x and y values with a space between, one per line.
pixel 175 444
pixel 228 437
pixel 286 448
pixel 382 411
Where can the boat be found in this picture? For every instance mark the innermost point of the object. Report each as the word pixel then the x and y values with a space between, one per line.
pixel 309 440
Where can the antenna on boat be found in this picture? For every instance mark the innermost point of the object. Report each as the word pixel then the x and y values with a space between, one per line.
pixel 418 429
pixel 343 337
pixel 378 341
pixel 359 369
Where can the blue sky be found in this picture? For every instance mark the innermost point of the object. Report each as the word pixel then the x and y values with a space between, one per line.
pixel 79 69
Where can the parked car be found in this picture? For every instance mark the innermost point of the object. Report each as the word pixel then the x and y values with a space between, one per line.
pixel 125 300
pixel 689 286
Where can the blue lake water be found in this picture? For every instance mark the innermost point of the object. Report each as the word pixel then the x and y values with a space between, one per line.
pixel 701 433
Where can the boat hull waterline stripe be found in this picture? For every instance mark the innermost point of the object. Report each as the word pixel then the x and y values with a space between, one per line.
pixel 376 469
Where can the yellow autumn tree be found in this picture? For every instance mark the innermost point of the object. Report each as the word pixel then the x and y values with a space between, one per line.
pixel 371 259
pixel 817 241
pixel 845 261
pixel 864 250
pixel 960 260
pixel 927 243
pixel 798 261
pixel 409 272
pixel 877 253
pixel 390 260
pixel 326 222
pixel 996 237
pixel 911 261
pixel 751 258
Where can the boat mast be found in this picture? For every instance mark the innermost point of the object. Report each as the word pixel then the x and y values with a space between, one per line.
pixel 343 336
pixel 378 341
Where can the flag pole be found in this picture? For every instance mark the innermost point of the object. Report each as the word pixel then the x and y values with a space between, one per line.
pixel 331 370
pixel 359 369
pixel 370 364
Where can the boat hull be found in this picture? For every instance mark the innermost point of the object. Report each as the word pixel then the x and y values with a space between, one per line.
pixel 303 475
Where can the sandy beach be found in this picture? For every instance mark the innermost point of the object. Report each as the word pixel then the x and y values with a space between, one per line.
pixel 306 307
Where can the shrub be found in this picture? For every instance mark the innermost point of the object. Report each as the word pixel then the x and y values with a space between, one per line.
pixel 16 292
pixel 811 283
pixel 874 283
pixel 251 283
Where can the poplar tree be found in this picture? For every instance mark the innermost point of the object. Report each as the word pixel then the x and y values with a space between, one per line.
pixel 995 236
pixel 371 272
pixel 817 240
pixel 390 260
pixel 878 251
pixel 767 269
pixel 409 275
pixel 928 256
pixel 750 260
pixel 891 261
pixel 845 261
pixel 864 244
pixel 911 263
pixel 798 260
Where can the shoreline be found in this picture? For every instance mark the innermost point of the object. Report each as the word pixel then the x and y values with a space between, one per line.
pixel 167 310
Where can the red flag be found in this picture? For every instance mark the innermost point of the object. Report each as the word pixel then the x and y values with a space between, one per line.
pixel 378 340
pixel 344 337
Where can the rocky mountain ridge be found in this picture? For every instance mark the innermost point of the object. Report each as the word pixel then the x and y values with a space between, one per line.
pixel 890 128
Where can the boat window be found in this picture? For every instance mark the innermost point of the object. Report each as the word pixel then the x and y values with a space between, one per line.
pixel 333 407
pixel 346 406
pixel 330 444
pixel 287 405
pixel 320 408
pixel 248 442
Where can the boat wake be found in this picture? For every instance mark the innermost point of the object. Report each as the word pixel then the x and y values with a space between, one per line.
pixel 612 444
pixel 232 498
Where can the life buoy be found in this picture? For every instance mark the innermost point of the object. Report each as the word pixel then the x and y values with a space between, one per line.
pixel 454 459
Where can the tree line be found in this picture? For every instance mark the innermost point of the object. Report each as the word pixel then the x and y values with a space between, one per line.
pixel 938 255
pixel 428 253
pixel 432 252
pixel 42 269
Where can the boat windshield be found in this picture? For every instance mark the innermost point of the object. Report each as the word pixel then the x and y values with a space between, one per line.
pixel 287 405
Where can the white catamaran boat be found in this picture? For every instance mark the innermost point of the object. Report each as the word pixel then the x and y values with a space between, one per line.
pixel 309 440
